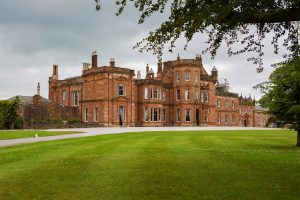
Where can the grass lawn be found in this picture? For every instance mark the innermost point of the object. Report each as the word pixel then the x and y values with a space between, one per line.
pixel 15 134
pixel 155 165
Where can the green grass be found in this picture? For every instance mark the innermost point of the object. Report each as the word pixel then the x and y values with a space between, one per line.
pixel 15 134
pixel 155 165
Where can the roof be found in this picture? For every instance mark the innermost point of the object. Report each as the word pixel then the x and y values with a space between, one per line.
pixel 258 107
pixel 28 99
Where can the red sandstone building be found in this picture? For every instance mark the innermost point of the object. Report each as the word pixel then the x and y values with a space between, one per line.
pixel 182 93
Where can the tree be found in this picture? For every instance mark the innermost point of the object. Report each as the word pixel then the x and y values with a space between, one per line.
pixel 8 113
pixel 282 93
pixel 222 20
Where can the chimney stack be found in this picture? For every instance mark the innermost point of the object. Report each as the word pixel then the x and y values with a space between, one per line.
pixel 159 69
pixel 112 62
pixel 214 75
pixel 147 71
pixel 55 72
pixel 94 59
pixel 38 92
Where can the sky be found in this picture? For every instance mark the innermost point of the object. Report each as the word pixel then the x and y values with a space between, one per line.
pixel 36 34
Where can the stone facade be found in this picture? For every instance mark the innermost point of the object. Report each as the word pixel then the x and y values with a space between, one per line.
pixel 182 93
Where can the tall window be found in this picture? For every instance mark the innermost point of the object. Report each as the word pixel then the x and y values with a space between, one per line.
pixel 226 103
pixel 151 93
pixel 219 118
pixel 146 114
pixel 151 114
pixel 146 93
pixel 64 95
pixel 218 103
pixel 164 115
pixel 187 76
pixel 163 95
pixel 233 119
pixel 233 104
pixel 155 93
pixel 156 114
pixel 121 90
pixel 178 115
pixel 178 95
pixel 187 115
pixel 226 119
pixel 202 97
pixel 75 98
pixel 96 117
pixel 86 114
pixel 205 96
pixel 187 95
pixel 196 95
pixel 178 76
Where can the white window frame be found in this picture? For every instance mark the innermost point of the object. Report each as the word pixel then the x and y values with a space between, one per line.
pixel 226 119
pixel 75 98
pixel 219 103
pixel 226 103
pixel 64 95
pixel 206 98
pixel 187 114
pixel 146 93
pixel 146 117
pixel 187 76
pixel 187 95
pixel 233 104
pixel 119 89
pixel 178 115
pixel 219 118
pixel 178 76
pixel 178 95
pixel 155 93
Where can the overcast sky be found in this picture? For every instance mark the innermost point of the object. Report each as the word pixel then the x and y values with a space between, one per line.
pixel 36 34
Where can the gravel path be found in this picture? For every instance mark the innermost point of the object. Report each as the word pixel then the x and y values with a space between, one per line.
pixel 113 130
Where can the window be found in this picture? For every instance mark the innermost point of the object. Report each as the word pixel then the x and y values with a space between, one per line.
pixel 233 119
pixel 219 118
pixel 240 110
pixel 64 95
pixel 96 118
pixel 75 98
pixel 218 103
pixel 164 115
pixel 206 97
pixel 159 93
pixel 146 93
pixel 163 95
pixel 187 76
pixel 178 114
pixel 178 95
pixel 146 114
pixel 86 114
pixel 151 93
pixel 226 103
pixel 156 114
pixel 187 115
pixel 187 95
pixel 178 76
pixel 226 119
pixel 202 97
pixel 121 90
pixel 155 93
pixel 233 104
pixel 151 114
pixel 196 95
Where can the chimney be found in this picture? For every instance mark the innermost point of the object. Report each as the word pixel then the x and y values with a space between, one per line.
pixel 112 62
pixel 159 69
pixel 55 72
pixel 139 75
pixel 199 58
pixel 37 99
pixel 38 92
pixel 214 74
pixel 94 59
pixel 147 71
pixel 178 57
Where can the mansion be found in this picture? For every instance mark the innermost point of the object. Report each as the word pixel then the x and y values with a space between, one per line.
pixel 181 93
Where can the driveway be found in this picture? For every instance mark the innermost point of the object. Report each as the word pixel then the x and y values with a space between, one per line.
pixel 86 132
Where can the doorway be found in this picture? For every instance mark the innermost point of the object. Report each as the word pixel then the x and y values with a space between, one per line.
pixel 197 117
pixel 121 115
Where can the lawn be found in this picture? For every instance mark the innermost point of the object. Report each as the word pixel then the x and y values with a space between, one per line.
pixel 155 165
pixel 15 134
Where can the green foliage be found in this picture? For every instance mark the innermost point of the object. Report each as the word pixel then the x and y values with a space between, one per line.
pixel 222 21
pixel 8 113
pixel 282 93
pixel 187 165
